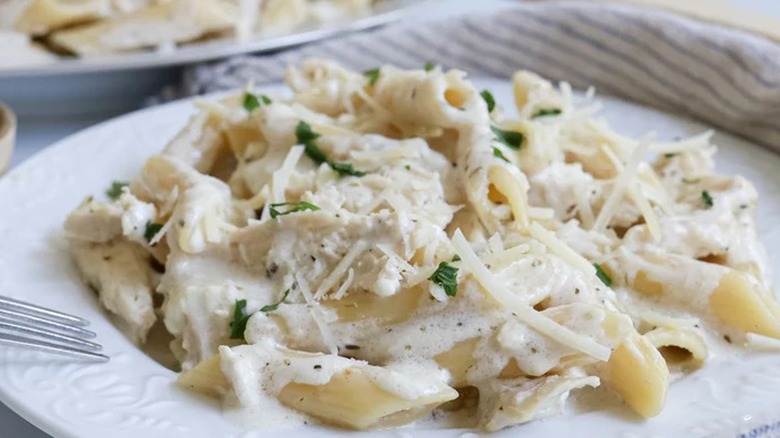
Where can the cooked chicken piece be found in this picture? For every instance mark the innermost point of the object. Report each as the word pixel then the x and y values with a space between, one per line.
pixel 121 274
pixel 95 221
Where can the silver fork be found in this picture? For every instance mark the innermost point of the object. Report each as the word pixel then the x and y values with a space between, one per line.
pixel 38 328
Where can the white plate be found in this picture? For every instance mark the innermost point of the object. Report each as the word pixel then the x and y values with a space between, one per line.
pixel 133 396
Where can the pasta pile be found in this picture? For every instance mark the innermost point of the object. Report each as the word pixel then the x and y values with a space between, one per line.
pixel 388 243
pixel 100 27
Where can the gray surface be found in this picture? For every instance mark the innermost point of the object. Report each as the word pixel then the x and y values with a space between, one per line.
pixel 35 135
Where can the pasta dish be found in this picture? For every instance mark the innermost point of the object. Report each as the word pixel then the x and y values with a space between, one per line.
pixel 390 245
pixel 37 30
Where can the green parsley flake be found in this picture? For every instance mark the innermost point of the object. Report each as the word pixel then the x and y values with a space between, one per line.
pixel 691 180
pixel 489 100
pixel 497 153
pixel 602 275
pixel 446 276
pixel 456 258
pixel 346 169
pixel 670 155
pixel 510 138
pixel 240 318
pixel 294 208
pixel 272 307
pixel 252 102
pixel 546 112
pixel 372 75
pixel 429 66
pixel 315 153
pixel 151 230
pixel 306 136
pixel 116 189
pixel 707 198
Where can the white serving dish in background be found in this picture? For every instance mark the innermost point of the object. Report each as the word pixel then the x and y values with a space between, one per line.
pixel 98 88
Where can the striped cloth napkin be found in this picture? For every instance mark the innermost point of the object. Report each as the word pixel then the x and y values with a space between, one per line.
pixel 725 77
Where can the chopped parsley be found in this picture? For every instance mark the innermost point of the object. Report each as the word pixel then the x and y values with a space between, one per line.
pixel 512 139
pixel 497 153
pixel 429 66
pixel 669 155
pixel 294 208
pixel 346 169
pixel 272 307
pixel 240 318
pixel 691 180
pixel 456 258
pixel 151 230
pixel 446 276
pixel 707 198
pixel 489 100
pixel 116 189
pixel 252 102
pixel 372 75
pixel 602 275
pixel 315 153
pixel 546 112
pixel 306 136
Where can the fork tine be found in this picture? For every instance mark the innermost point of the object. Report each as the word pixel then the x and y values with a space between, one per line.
pixel 33 310
pixel 21 342
pixel 41 322
pixel 48 335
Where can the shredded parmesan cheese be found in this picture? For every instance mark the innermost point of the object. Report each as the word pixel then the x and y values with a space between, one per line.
pixel 619 188
pixel 282 177
pixel 345 285
pixel 327 334
pixel 523 311
pixel 560 248
pixel 636 195
pixel 341 268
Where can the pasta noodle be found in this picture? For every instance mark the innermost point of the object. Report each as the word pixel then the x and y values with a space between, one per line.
pixel 382 244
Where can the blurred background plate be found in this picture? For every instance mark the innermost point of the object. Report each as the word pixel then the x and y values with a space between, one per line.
pixel 97 88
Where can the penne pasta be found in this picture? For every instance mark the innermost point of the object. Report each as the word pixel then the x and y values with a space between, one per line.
pixel 638 373
pixel 388 245
pixel 679 346
pixel 351 399
pixel 205 378
pixel 742 304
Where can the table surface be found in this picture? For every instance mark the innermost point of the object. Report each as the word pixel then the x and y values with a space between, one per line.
pixel 34 136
